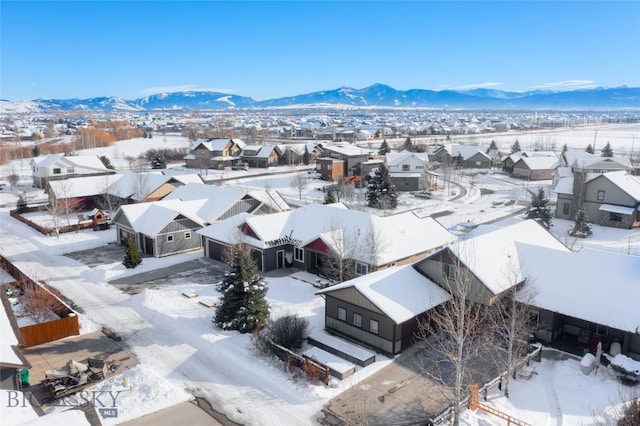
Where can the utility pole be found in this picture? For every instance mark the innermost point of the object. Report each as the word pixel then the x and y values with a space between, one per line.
pixel 594 140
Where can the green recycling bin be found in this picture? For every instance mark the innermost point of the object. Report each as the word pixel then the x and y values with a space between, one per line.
pixel 24 377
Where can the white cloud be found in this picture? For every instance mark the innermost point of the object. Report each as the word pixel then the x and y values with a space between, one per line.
pixel 472 86
pixel 183 88
pixel 569 84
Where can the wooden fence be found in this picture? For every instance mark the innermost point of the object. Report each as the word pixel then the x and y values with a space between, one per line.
pixel 17 214
pixel 32 335
pixel 313 369
pixel 447 414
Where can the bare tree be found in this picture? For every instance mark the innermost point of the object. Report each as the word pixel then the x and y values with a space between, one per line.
pixel 65 199
pixel 106 200
pixel 374 243
pixel 339 263
pixel 511 320
pixel 299 183
pixel 455 336
pixel 39 304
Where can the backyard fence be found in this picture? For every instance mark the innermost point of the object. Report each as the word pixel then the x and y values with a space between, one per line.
pixel 312 368
pixel 17 214
pixel 32 335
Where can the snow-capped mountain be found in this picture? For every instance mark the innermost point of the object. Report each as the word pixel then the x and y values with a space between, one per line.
pixel 377 95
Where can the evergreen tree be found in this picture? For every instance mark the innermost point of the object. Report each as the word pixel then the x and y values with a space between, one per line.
pixel 306 157
pixel 132 257
pixel 21 204
pixel 492 147
pixel 384 148
pixel 149 135
pixel 106 162
pixel 515 147
pixel 158 162
pixel 564 150
pixel 408 145
pixel 580 227
pixel 35 151
pixel 381 193
pixel 243 306
pixel 590 149
pixel 538 209
pixel 607 151
pixel 329 197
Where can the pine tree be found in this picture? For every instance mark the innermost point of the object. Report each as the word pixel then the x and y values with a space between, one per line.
pixel 408 145
pixel 607 151
pixel 538 209
pixel 384 148
pixel 243 305
pixel 381 193
pixel 329 197
pixel 515 147
pixel 306 157
pixel 106 162
pixel 564 149
pixel 158 162
pixel 132 257
pixel 492 147
pixel 35 151
pixel 580 227
pixel 590 149
pixel 21 204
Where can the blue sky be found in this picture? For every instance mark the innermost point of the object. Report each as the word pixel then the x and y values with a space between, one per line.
pixel 274 49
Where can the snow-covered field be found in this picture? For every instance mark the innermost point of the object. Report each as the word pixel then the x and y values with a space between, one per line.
pixel 183 355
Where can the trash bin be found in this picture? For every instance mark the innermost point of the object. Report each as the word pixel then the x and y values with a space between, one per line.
pixel 24 377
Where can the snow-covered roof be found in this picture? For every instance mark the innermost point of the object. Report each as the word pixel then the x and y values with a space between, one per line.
pixel 616 209
pixel 84 161
pixel 400 292
pixel 540 163
pixel 599 286
pixel 216 144
pixel 564 186
pixel 151 218
pixel 346 149
pixel 395 158
pixel 465 151
pixel 583 159
pixel 491 254
pixel 398 236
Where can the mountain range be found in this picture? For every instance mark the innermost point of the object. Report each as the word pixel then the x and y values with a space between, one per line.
pixel 377 95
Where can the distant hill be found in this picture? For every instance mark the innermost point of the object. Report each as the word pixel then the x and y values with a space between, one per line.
pixel 377 95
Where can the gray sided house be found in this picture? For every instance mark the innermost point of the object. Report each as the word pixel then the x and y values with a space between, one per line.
pixel 159 229
pixel 535 168
pixel 382 310
pixel 466 156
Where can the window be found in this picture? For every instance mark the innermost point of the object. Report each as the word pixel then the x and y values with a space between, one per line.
pixel 56 171
pixel 169 238
pixel 419 167
pixel 603 171
pixel 328 166
pixel 373 326
pixel 187 235
pixel 478 163
pixel 448 270
pixel 362 268
pixel 615 217
pixel 600 194
pixel 406 167
pixel 342 314
pixel 357 320
pixel 71 170
pixel 298 254
pixel 565 208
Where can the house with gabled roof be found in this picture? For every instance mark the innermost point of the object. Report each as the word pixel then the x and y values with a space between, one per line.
pixel 169 226
pixel 468 156
pixel 591 163
pixel 260 156
pixel 590 295
pixel 408 170
pixel 214 153
pixel 310 237
pixel 343 155
pixel 535 168
pixel 383 309
pixel 52 167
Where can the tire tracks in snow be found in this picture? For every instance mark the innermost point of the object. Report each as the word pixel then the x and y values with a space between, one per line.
pixel 555 411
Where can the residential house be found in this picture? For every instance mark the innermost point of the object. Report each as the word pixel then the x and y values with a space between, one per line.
pixel 349 154
pixel 214 153
pixel 260 156
pixel 408 170
pixel 467 156
pixel 293 154
pixel 330 169
pixel 587 295
pixel 52 167
pixel 509 161
pixel 535 168
pixel 383 309
pixel 608 199
pixel 315 236
pixel 590 163
pixel 168 227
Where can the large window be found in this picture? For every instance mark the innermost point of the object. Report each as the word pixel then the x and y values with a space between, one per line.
pixel 298 254
pixel 342 314
pixel 362 268
pixel 373 326
pixel 565 208
pixel 600 194
pixel 357 320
